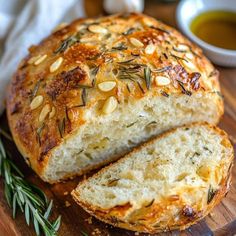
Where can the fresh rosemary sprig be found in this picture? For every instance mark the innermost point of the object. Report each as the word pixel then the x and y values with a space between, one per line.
pixel 25 196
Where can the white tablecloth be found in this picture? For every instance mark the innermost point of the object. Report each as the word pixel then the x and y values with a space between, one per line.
pixel 26 22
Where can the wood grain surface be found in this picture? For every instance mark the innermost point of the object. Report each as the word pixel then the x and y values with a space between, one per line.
pixel 222 221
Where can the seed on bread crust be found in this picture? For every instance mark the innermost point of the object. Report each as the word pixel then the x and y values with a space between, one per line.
pixel 44 112
pixel 136 42
pixel 150 49
pixel 36 102
pixel 110 105
pixel 55 65
pixel 162 80
pixel 106 86
pixel 40 59
pixel 97 29
pixel 52 113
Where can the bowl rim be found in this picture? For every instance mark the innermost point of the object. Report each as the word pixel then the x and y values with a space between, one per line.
pixel 186 30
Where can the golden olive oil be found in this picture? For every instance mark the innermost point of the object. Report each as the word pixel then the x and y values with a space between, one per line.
pixel 217 28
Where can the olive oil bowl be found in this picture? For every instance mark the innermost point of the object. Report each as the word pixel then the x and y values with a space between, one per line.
pixel 212 25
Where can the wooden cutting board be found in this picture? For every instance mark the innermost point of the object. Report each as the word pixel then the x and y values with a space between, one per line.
pixel 222 221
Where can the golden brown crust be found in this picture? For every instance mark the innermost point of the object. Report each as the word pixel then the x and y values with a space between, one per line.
pixel 190 214
pixel 89 55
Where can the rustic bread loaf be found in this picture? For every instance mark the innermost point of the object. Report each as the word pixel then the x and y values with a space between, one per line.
pixel 168 183
pixel 98 87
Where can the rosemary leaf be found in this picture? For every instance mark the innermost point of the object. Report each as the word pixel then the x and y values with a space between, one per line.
pixel 5 134
pixel 128 88
pixel 94 70
pixel 131 124
pixel 162 69
pixel 119 47
pixel 36 226
pixel 165 94
pixel 27 214
pixel 14 206
pixel 159 29
pixel 67 43
pixel 84 96
pixel 178 58
pixel 127 61
pixel 47 212
pixel 140 86
pixel 39 132
pixel 129 31
pixel 83 233
pixel 149 204
pixel 2 150
pixel 56 224
pixel 61 127
pixel 8 194
pixel 211 194
pixel 35 90
pixel 184 91
pixel 147 77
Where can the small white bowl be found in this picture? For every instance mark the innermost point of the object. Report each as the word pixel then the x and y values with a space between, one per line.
pixel 187 10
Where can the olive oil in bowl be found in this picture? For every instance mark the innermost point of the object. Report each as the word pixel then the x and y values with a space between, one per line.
pixel 217 28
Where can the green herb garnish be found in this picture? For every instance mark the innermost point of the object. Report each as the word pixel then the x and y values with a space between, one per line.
pixel 165 94
pixel 177 58
pixel 211 194
pixel 83 233
pixel 147 77
pixel 25 196
pixel 140 87
pixel 83 98
pixel 61 127
pixel 159 29
pixel 131 124
pixel 39 132
pixel 119 47
pixel 35 90
pixel 184 91
pixel 128 88
pixel 67 43
pixel 162 69
pixel 129 31
pixel 150 203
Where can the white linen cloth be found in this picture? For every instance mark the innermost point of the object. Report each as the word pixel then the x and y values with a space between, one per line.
pixel 27 22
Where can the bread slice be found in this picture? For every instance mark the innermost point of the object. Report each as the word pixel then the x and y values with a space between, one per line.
pixel 170 182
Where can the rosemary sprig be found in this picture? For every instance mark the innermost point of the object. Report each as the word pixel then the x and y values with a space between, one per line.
pixel 23 195
pixel 67 43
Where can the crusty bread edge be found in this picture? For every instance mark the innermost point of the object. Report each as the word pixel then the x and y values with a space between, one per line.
pixel 103 215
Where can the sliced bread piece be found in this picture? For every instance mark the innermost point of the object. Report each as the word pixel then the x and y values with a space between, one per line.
pixel 170 182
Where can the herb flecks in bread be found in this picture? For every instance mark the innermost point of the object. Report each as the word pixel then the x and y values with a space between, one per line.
pixel 170 182
pixel 73 97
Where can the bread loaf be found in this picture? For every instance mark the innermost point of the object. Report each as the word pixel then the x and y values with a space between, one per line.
pixel 96 88
pixel 168 183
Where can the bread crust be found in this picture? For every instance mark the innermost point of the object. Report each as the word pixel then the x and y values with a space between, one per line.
pixel 186 220
pixel 65 90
